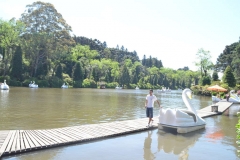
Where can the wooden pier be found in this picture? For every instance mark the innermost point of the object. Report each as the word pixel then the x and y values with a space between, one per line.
pixel 20 141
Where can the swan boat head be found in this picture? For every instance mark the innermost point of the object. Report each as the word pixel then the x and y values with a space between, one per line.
pixel 181 117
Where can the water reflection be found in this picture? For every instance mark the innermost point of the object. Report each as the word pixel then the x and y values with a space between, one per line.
pixel 148 155
pixel 178 144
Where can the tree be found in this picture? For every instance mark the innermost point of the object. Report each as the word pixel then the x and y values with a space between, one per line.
pixel 59 71
pixel 16 72
pixel 144 60
pixel 42 17
pixel 78 75
pixel 228 77
pixel 125 77
pixel 203 61
pixel 235 65
pixel 78 72
pixel 215 76
pixel 9 39
pixel 225 59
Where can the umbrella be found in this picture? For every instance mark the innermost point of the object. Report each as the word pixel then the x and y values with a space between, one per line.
pixel 217 88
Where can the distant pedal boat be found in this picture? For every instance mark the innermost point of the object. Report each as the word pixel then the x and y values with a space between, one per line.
pixel 64 86
pixel 4 86
pixel 33 85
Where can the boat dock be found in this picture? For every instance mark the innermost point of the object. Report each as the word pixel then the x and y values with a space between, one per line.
pixel 20 141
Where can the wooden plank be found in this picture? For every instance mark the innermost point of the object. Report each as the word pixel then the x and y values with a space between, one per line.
pixel 14 144
pixel 30 142
pixel 25 141
pixel 82 134
pixel 6 143
pixel 8 149
pixel 57 134
pixel 42 140
pixel 68 134
pixel 22 144
pixel 18 147
pixel 48 134
pixel 45 138
pixel 37 139
pixel 72 132
pixel 33 139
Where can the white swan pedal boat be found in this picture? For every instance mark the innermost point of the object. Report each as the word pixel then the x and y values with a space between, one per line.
pixel 4 86
pixel 64 86
pixel 33 85
pixel 184 120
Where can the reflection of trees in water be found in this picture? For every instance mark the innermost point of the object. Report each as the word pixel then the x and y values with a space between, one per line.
pixel 148 155
pixel 177 144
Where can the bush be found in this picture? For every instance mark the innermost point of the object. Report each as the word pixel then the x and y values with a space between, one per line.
pixel 42 83
pixel 15 83
pixel 2 78
pixel 112 85
pixel 67 79
pixel 89 83
pixel 77 84
pixel 53 82
pixel 205 80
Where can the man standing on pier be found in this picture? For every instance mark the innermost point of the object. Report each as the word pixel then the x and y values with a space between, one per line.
pixel 149 104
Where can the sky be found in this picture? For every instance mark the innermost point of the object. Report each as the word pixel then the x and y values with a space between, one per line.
pixel 170 30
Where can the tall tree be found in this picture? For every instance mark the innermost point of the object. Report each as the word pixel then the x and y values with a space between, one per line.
pixel 9 38
pixel 16 72
pixel 203 61
pixel 78 73
pixel 236 64
pixel 228 77
pixel 125 77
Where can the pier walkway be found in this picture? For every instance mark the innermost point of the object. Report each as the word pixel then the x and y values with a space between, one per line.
pixel 20 141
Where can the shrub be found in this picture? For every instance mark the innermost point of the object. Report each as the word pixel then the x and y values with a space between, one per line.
pixel 53 82
pixel 112 85
pixel 77 84
pixel 42 83
pixel 89 83
pixel 2 78
pixel 205 80
pixel 15 83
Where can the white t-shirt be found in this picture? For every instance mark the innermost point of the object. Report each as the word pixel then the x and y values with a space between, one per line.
pixel 150 100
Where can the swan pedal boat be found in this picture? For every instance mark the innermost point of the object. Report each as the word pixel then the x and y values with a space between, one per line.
pixel 233 98
pixel 184 120
pixel 33 85
pixel 4 86
pixel 64 86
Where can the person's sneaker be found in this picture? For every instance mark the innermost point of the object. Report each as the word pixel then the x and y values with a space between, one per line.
pixel 147 125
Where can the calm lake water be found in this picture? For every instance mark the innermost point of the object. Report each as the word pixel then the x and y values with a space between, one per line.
pixel 25 108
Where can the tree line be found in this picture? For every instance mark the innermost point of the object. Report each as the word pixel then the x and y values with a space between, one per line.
pixel 39 47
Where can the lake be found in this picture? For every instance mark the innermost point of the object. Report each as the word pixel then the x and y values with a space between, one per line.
pixel 44 108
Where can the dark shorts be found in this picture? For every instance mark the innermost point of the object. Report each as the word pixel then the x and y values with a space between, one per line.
pixel 149 112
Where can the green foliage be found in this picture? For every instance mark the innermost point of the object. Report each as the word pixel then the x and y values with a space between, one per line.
pixel 203 61
pixel 2 78
pixel 205 80
pixel 112 85
pixel 15 83
pixel 238 130
pixel 77 84
pixel 16 72
pixel 88 83
pixel 215 76
pixel 229 78
pixel 45 83
pixel 59 71
pixel 78 72
pixel 53 82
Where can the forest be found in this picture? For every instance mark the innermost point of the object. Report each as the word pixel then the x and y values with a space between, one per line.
pixel 40 47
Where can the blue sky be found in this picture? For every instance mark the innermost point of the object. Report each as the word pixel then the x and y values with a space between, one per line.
pixel 171 30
